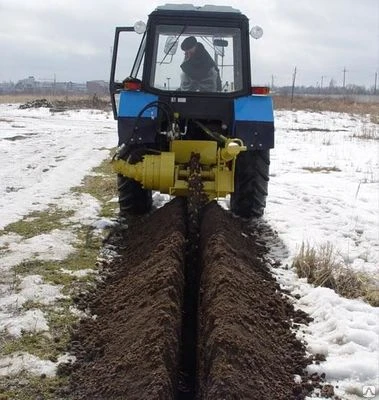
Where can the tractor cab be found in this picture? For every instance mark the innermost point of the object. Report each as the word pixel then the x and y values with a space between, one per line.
pixel 159 65
pixel 223 44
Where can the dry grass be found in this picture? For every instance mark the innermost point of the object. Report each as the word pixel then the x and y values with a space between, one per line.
pixel 61 101
pixel 368 133
pixel 317 265
pixel 346 105
pixel 322 169
pixel 280 102
pixel 321 267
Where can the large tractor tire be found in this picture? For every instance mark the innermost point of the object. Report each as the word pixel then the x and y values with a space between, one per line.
pixel 132 197
pixel 250 184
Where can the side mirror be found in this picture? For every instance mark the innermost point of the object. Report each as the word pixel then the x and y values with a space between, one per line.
pixel 219 46
pixel 220 43
pixel 171 45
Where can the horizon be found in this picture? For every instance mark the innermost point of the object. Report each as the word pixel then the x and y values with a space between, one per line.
pixel 326 40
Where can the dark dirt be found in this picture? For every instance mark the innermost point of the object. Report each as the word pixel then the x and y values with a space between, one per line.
pixel 245 346
pixel 131 350
pixel 247 349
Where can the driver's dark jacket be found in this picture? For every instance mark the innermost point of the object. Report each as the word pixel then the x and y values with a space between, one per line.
pixel 199 71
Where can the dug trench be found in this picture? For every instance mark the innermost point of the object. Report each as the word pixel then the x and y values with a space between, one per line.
pixel 152 335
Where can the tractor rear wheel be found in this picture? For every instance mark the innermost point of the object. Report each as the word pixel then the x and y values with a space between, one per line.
pixel 250 184
pixel 132 197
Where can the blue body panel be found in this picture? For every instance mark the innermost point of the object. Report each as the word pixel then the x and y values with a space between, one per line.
pixel 254 121
pixel 131 103
pixel 254 108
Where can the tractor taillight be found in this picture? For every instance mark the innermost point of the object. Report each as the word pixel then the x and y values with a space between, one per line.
pixel 264 90
pixel 132 85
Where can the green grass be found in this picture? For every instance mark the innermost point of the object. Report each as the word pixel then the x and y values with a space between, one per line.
pixel 47 347
pixel 37 344
pixel 39 222
pixel 25 387
pixel 102 186
pixel 49 270
pixel 84 257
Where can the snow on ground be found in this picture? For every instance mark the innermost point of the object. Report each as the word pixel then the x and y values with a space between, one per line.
pixel 22 361
pixel 323 188
pixel 43 155
pixel 55 245
pixel 340 206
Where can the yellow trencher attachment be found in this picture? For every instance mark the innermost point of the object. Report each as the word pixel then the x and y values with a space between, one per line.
pixel 168 172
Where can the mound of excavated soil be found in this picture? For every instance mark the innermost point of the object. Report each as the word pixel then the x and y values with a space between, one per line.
pixel 131 349
pixel 36 104
pixel 247 349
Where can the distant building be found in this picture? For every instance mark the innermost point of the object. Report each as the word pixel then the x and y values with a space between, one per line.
pixel 7 87
pixel 27 85
pixel 97 87
pixel 76 87
pixel 31 85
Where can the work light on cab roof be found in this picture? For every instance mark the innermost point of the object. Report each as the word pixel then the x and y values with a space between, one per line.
pixel 139 27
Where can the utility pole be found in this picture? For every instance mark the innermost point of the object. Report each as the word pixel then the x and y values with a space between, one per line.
pixel 322 81
pixel 344 77
pixel 272 82
pixel 54 84
pixel 293 84
pixel 375 82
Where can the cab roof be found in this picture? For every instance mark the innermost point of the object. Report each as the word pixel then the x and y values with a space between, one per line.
pixel 191 7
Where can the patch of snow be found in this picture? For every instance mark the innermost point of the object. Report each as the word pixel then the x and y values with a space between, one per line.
pixel 57 152
pixel 341 328
pixel 339 207
pixel 31 321
pixel 33 289
pixel 86 208
pixel 160 199
pixel 80 273
pixel 55 245
pixel 22 361
pixel 104 223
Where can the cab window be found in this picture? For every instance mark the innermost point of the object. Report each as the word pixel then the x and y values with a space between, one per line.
pixel 197 59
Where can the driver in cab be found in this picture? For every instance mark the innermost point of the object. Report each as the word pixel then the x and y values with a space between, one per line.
pixel 199 71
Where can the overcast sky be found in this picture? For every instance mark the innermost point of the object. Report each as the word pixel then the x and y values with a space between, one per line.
pixel 72 39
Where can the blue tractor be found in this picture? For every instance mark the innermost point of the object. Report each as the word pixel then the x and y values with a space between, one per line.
pixel 188 92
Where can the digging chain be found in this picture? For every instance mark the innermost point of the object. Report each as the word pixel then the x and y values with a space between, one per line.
pixel 196 200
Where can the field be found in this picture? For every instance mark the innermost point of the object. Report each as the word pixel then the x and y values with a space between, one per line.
pixel 77 286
